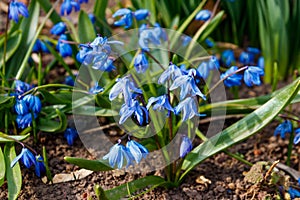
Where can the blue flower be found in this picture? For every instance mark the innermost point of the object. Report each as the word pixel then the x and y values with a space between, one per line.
pixel 58 28
pixel 204 70
pixel 136 111
pixel 188 107
pixel 83 1
pixel 151 35
pixel 21 107
pixel 283 128
pixel 24 121
pixel 126 17
pixel 21 87
pixel 187 85
pixel 171 73
pixel 33 103
pixel 186 40
pixel 227 57
pixel 119 155
pixel 39 46
pixel 15 9
pixel 261 62
pixel 39 165
pixel 63 48
pixel 297 136
pixel 67 5
pixel 26 157
pixel 141 63
pixel 252 75
pixel 203 15
pixel 160 103
pixel 83 52
pixel 209 43
pixel 96 89
pixel 92 18
pixel 253 50
pixel 124 86
pixel 245 58
pixel 141 14
pixel 185 146
pixel 70 134
pixel 232 79
pixel 293 193
pixel 103 62
pixel 69 81
pixel 137 150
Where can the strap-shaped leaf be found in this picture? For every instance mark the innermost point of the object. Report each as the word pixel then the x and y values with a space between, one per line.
pixel 2 168
pixel 13 175
pixel 86 31
pixel 94 165
pixel 5 138
pixel 242 129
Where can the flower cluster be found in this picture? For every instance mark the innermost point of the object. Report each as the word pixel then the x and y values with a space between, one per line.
pixel 27 106
pixel 126 16
pixel 28 159
pixel 62 46
pixel 120 155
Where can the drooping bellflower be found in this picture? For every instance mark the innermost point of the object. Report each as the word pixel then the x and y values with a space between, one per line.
pixel 15 9
pixel 136 111
pixel 39 46
pixel 232 79
pixel 63 48
pixel 67 6
pixel 24 121
pixel 171 73
pixel 137 150
pixel 188 107
pixel 252 75
pixel 70 134
pixel 160 103
pixel 227 57
pixel 141 14
pixel 297 136
pixel 58 28
pixel 185 146
pixel 203 15
pixel 26 156
pixel 125 17
pixel 39 166
pixel 96 89
pixel 283 128
pixel 141 63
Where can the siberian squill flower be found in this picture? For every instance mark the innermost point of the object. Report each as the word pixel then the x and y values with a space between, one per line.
pixel 205 67
pixel 252 75
pixel 283 128
pixel 209 43
pixel 33 103
pixel 245 58
pixel 185 146
pixel 92 18
pixel 233 79
pixel 124 86
pixel 39 166
pixel 21 87
pixel 69 81
pixel 102 62
pixel 126 17
pixel 141 14
pixel 151 35
pixel 24 121
pixel 21 107
pixel 187 85
pixel 83 1
pixel 63 48
pixel 227 57
pixel 136 111
pixel 39 46
pixel 26 156
pixel 96 89
pixel 70 134
pixel 58 28
pixel 297 136
pixel 294 193
pixel 118 155
pixel 160 103
pixel 68 5
pixel 15 9
pixel 83 53
pixel 188 107
pixel 203 15
pixel 141 63
pixel 137 150
pixel 171 73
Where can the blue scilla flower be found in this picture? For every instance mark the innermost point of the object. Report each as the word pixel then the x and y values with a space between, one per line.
pixel 141 63
pixel 126 17
pixel 92 18
pixel 187 85
pixel 186 40
pixel 253 50
pixel 203 15
pixel 63 48
pixel 214 63
pixel 227 57
pixel 159 32
pixel 21 107
pixel 204 70
pixel 123 86
pixel 297 136
pixel 26 156
pixel 15 9
pixel 188 107
pixel 83 52
pixel 171 73
pixel 137 150
pixel 69 81
pixel 283 128
pixel 39 46
pixel 58 28
pixel 252 75
pixel 141 14
pixel 146 37
pixel 96 89
pixel 68 5
pixel 232 79
pixel 39 166
pixel 21 87
pixel 136 111
pixel 83 1
pixel 209 43
pixel 160 103
pixel 261 62
pixel 102 62
pixel 24 121
pixel 185 146
pixel 119 155
pixel 245 58
pixel 293 193
pixel 70 134
pixel 33 103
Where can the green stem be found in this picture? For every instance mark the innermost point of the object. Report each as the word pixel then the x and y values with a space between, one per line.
pixel 34 128
pixel 6 121
pixel 290 148
pixel 4 51
pixel 40 71
pixel 47 86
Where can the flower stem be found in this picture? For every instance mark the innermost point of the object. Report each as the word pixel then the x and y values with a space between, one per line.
pixel 290 148
pixel 4 51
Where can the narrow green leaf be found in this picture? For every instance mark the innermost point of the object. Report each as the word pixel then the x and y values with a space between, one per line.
pixel 48 125
pixel 95 111
pixel 13 43
pixel 94 165
pixel 134 186
pixel 6 101
pixel 47 5
pixel 211 26
pixel 62 97
pixel 242 129
pixel 2 167
pixel 4 139
pixel 13 175
pixel 48 172
pixel 86 31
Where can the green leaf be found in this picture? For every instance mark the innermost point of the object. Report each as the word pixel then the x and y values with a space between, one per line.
pixel 62 97
pixel 13 175
pixel 134 186
pixel 211 26
pixel 4 138
pixel 86 31
pixel 94 165
pixel 242 129
pixel 13 43
pixel 6 102
pixel 2 167
pixel 95 111
pixel 47 5
pixel 48 125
